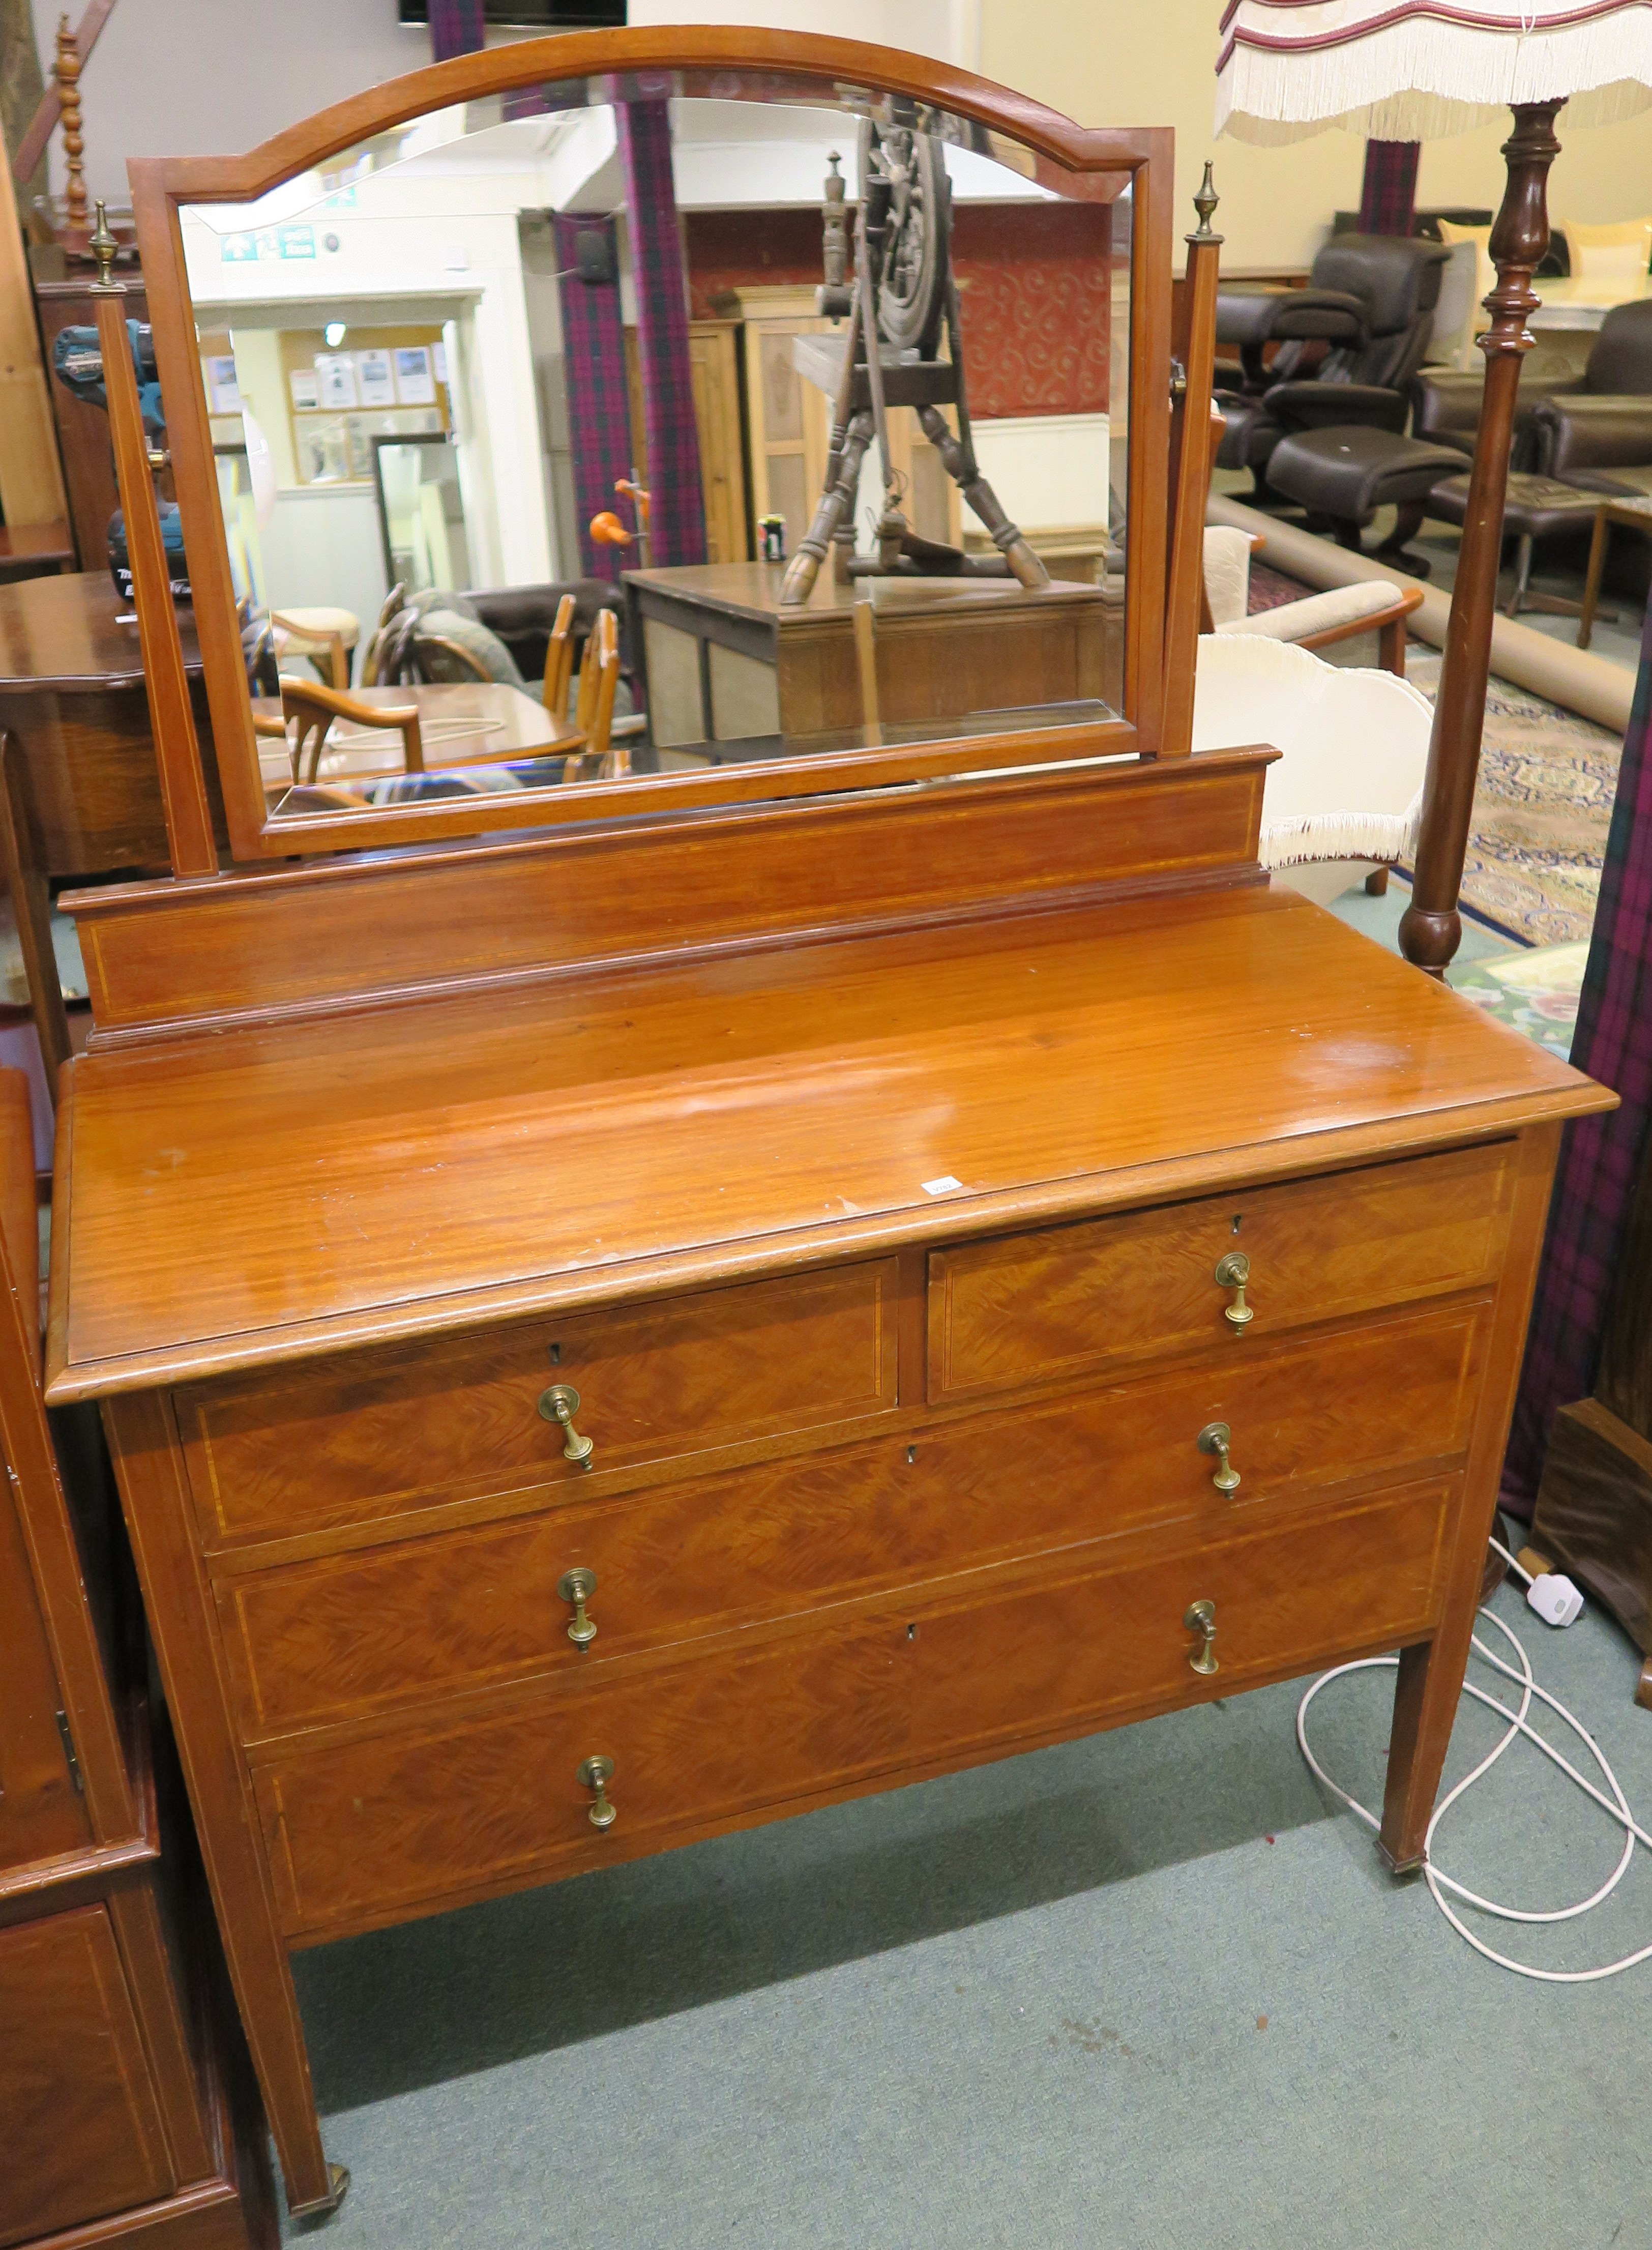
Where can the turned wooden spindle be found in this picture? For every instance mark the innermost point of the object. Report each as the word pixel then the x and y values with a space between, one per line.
pixel 1431 927
pixel 66 70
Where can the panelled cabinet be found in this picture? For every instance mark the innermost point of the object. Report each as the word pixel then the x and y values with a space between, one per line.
pixel 126 2110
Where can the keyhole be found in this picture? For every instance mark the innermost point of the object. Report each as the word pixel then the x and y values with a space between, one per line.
pixel 556 1348
pixel 1238 1221
pixel 912 1452
pixel 911 1632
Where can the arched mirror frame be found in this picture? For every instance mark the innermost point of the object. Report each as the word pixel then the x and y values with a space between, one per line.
pixel 1087 164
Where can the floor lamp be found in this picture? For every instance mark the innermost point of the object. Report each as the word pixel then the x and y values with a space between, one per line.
pixel 1415 70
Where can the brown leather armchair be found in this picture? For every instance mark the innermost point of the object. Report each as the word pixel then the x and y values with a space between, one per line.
pixel 1575 428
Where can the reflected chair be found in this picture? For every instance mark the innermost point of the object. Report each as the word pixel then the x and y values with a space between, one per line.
pixel 310 710
pixel 324 636
pixel 559 659
pixel 594 714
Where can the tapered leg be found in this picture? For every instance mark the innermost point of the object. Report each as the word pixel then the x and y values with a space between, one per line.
pixel 1430 1682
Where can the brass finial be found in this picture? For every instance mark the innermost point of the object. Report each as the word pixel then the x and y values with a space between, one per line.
pixel 103 247
pixel 1205 203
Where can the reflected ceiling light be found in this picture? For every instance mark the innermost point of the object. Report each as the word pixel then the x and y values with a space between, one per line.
pixel 334 334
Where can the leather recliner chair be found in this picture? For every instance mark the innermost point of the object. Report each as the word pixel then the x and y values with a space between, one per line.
pixel 1603 409
pixel 1583 433
pixel 1371 299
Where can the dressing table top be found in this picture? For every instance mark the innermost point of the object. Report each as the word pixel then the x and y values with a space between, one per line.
pixel 273 1191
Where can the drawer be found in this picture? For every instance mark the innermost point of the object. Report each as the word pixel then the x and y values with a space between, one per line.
pixel 1029 1309
pixel 345 1635
pixel 367 1832
pixel 380 1433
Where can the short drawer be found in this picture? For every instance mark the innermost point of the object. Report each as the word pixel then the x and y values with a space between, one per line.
pixel 1028 1310
pixel 346 1635
pixel 367 1832
pixel 380 1433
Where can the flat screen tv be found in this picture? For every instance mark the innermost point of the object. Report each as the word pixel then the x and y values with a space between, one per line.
pixel 533 15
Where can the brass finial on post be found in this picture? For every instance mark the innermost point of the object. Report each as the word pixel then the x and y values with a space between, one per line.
pixel 1205 203
pixel 103 247
pixel 66 70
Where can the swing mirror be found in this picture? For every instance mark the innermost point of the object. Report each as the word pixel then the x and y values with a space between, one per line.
pixel 534 467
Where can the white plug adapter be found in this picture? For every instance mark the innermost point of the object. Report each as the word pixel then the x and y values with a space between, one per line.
pixel 1554 1598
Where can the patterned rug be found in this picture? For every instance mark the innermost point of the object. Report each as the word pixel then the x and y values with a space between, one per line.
pixel 1541 810
pixel 1534 990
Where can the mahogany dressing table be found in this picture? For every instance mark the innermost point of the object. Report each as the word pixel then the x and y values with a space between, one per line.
pixel 785 1280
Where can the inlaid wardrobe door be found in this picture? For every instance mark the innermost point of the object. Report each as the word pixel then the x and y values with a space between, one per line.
pixel 81 2131
pixel 41 1811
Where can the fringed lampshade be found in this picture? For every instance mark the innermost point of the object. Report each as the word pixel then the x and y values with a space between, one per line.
pixel 1415 70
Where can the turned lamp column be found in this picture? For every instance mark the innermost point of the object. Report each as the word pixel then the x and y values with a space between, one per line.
pixel 1431 926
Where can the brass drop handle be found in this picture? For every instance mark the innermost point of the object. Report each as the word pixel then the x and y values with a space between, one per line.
pixel 1201 1618
pixel 561 1404
pixel 596 1773
pixel 1233 1272
pixel 1216 1437
pixel 578 1586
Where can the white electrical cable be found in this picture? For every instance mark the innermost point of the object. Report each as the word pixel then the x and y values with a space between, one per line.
pixel 1616 1805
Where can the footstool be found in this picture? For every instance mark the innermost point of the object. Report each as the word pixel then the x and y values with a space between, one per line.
pixel 1344 475
pixel 1538 508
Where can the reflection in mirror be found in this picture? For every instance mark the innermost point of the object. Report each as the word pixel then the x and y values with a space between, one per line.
pixel 823 405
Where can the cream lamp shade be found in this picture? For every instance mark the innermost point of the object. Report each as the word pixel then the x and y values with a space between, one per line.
pixel 1415 69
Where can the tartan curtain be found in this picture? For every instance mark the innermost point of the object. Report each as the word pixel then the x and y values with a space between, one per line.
pixel 599 419
pixel 456 28
pixel 1388 194
pixel 671 435
pixel 1601 1156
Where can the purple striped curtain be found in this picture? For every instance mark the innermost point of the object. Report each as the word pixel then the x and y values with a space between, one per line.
pixel 661 334
pixel 456 28
pixel 1388 195
pixel 1600 1157
pixel 599 421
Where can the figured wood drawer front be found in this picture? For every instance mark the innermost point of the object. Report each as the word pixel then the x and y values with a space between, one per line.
pixel 365 1832
pixel 347 1440
pixel 1033 1308
pixel 313 1642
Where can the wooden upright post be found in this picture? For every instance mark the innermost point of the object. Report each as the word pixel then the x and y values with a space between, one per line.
pixel 1195 347
pixel 1431 927
pixel 30 476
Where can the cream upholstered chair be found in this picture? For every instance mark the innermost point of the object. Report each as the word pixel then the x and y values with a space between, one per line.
pixel 324 636
pixel 1317 621
pixel 1618 252
pixel 1485 281
pixel 1344 800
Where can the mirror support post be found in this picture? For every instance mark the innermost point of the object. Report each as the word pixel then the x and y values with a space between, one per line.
pixel 1194 349
pixel 177 752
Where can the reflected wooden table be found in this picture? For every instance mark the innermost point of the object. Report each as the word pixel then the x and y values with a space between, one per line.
pixel 479 722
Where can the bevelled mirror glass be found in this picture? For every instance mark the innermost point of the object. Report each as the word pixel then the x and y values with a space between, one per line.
pixel 547 433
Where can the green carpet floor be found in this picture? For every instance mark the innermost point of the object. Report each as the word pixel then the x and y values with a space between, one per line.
pixel 1145 1990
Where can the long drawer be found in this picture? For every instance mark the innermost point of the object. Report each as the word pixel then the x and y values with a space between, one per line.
pixel 319 1641
pixel 367 1831
pixel 1072 1301
pixel 377 1434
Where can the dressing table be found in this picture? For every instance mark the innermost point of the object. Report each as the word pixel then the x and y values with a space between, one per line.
pixel 629 1310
